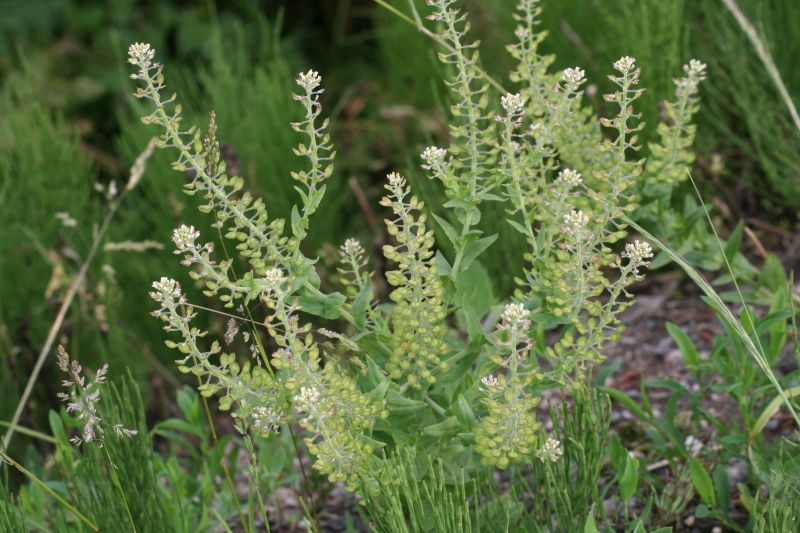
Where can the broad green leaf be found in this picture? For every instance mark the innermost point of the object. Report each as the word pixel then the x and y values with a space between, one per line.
pixel 446 428
pixel 702 482
pixel 629 481
pixel 686 346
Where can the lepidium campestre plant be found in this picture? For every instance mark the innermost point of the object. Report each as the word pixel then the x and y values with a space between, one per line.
pixel 445 366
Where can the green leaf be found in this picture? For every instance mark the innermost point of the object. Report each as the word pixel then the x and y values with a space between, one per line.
pixel 630 478
pixel 626 401
pixel 296 229
pixel 702 481
pixel 360 304
pixel 519 227
pixel 446 428
pixel 474 290
pixel 322 305
pixel 398 404
pixel 448 229
pixel 770 410
pixel 474 249
pixel 464 412
pixel 686 346
pixel 732 246
pixel 591 525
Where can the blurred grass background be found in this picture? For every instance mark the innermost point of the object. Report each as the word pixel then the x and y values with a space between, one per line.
pixel 69 129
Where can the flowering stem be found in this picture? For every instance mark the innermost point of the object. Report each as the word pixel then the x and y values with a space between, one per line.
pixel 64 503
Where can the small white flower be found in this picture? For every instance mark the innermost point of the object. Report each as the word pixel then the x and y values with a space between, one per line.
pixel 308 399
pixel 309 80
pixel 265 420
pixel 575 223
pixel 274 277
pixel 395 179
pixel 166 289
pixel 512 103
pixel 433 156
pixel 695 68
pixel 573 75
pixel 352 247
pixel 515 313
pixel 184 237
pixel 550 451
pixel 140 54
pixel 490 382
pixel 638 252
pixel 569 178
pixel 695 73
pixel 521 32
pixel 625 64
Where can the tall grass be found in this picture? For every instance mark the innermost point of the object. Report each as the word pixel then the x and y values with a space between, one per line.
pixel 763 155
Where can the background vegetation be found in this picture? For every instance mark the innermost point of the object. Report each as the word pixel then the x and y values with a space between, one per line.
pixel 69 133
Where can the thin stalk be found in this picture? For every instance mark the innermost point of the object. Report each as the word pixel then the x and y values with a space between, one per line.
pixel 417 22
pixel 118 485
pixel 764 56
pixel 64 503
pixel 30 432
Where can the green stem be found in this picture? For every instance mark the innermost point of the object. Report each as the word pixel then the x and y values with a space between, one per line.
pixel 115 479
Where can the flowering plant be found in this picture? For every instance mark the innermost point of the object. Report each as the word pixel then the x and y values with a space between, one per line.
pixel 445 365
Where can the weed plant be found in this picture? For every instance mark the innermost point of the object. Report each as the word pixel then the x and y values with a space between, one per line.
pixel 426 400
pixel 530 151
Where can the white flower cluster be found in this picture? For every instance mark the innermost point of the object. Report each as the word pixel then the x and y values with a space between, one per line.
pixel 353 248
pixel 515 320
pixel 569 178
pixel 274 277
pixel 695 68
pixel 141 54
pixel 550 451
pixel 66 219
pixel 308 399
pixel 167 290
pixel 309 80
pixel 490 382
pixel 625 64
pixel 265 420
pixel 575 223
pixel 184 238
pixel 695 73
pixel 512 103
pixel 573 75
pixel 395 179
pixel 638 252
pixel 433 156
pixel 514 313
